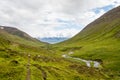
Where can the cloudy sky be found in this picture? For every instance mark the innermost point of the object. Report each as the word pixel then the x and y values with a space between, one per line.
pixel 52 18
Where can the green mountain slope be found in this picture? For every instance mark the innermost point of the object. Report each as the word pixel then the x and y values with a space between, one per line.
pixel 19 33
pixel 100 40
pixel 23 58
pixel 106 26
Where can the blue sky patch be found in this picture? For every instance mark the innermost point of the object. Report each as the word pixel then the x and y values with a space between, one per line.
pixel 69 25
pixel 105 8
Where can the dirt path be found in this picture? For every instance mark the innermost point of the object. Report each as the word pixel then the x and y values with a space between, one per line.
pixel 28 69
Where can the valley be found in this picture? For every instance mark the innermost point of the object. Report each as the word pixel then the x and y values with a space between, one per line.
pixel 93 54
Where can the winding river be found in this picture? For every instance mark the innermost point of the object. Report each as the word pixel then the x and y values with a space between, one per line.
pixel 89 63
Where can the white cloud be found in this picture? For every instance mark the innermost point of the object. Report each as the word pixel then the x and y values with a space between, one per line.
pixel 88 17
pixel 39 18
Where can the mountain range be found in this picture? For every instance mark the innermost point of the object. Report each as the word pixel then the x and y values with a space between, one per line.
pixel 53 40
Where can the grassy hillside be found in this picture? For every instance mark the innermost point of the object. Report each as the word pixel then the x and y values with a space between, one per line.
pixel 18 55
pixel 19 33
pixel 100 40
pixel 106 26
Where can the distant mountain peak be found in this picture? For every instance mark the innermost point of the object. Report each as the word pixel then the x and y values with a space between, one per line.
pixel 53 40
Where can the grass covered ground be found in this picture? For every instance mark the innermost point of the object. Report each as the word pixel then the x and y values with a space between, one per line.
pixel 44 66
pixel 106 52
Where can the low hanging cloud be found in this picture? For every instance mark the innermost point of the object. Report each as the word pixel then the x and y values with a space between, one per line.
pixel 52 18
